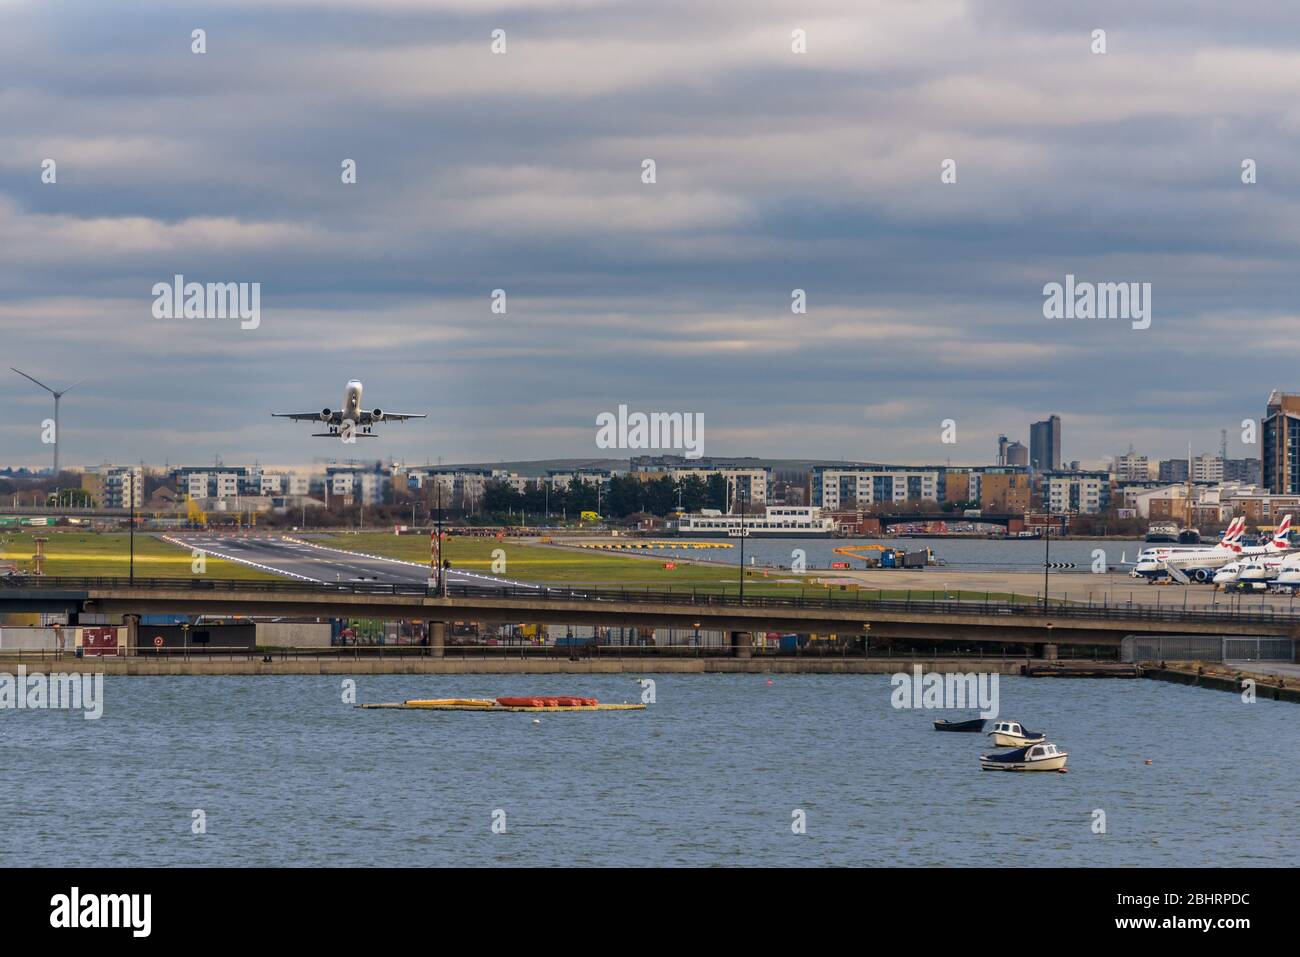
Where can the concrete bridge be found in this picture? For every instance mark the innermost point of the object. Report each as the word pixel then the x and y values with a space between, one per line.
pixel 816 611
pixel 920 518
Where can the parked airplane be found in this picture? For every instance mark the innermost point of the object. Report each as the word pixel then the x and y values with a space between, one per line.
pixel 1288 576
pixel 1150 560
pixel 1201 564
pixel 1287 573
pixel 351 420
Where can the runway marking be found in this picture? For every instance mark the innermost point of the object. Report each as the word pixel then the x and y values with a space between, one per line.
pixel 401 561
pixel 231 558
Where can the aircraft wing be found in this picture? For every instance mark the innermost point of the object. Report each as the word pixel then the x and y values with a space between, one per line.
pixel 298 416
pixel 397 416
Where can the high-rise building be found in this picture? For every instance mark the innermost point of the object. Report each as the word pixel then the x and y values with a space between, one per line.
pixel 862 486
pixel 1045 444
pixel 1173 470
pixel 1245 471
pixel 114 486
pixel 1132 467
pixel 1077 493
pixel 1005 490
pixel 1207 468
pixel 1280 444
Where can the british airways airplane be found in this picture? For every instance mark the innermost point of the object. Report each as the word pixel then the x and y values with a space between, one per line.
pixel 351 419
pixel 1201 564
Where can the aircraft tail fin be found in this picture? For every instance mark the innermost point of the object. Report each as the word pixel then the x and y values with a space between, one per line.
pixel 1282 537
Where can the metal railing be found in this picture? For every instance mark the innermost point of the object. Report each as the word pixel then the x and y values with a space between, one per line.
pixel 487 651
pixel 858 602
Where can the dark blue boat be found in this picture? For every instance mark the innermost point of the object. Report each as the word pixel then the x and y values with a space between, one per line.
pixel 974 726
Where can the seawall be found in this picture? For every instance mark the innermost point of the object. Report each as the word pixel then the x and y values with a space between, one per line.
pixel 334 665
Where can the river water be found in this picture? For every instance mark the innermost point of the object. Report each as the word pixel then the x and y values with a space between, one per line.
pixel 712 773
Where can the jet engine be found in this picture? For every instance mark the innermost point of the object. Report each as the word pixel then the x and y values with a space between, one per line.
pixel 325 415
pixel 377 415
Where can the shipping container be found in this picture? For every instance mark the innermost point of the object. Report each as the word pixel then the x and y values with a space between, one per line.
pixel 99 642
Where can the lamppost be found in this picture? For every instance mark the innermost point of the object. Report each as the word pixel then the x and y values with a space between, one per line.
pixel 441 576
pixel 1047 558
pixel 742 544
pixel 131 572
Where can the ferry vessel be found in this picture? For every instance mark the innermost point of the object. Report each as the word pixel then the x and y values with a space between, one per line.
pixel 777 521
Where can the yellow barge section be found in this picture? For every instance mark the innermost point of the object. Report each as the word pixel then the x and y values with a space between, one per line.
pixel 487 704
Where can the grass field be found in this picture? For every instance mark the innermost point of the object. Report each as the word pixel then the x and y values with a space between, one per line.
pixel 88 554
pixel 540 563
pixel 536 563
pixel 81 553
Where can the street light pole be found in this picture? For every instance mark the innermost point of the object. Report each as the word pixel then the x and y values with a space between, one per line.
pixel 742 546
pixel 1047 558
pixel 131 572
pixel 441 577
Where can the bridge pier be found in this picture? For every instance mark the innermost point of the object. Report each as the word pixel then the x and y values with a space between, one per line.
pixel 742 644
pixel 1049 652
pixel 132 624
pixel 437 631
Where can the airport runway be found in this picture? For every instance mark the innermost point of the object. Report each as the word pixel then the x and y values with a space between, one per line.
pixel 294 558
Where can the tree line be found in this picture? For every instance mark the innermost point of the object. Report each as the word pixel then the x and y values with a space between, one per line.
pixel 622 497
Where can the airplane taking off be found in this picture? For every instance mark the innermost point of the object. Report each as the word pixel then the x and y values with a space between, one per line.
pixel 351 420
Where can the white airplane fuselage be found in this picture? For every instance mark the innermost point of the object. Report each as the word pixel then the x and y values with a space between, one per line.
pixel 352 401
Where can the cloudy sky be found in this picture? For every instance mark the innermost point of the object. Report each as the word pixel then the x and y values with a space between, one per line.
pixel 523 171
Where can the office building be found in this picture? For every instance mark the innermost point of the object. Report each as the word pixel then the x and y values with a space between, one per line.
pixel 1045 444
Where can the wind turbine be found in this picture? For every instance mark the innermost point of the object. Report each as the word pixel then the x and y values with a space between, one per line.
pixel 57 396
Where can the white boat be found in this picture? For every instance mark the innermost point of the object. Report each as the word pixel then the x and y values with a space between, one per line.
pixel 1036 757
pixel 777 521
pixel 1012 734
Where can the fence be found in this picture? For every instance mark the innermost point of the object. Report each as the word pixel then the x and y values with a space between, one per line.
pixel 1258 649
pixel 1136 648
pixel 856 602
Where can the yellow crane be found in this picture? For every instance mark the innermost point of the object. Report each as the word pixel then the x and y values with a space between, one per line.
pixel 851 551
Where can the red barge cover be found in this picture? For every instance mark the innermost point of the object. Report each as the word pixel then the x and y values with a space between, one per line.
pixel 563 701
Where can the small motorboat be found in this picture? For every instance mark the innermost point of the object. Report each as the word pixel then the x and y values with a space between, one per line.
pixel 1036 757
pixel 1013 734
pixel 974 726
